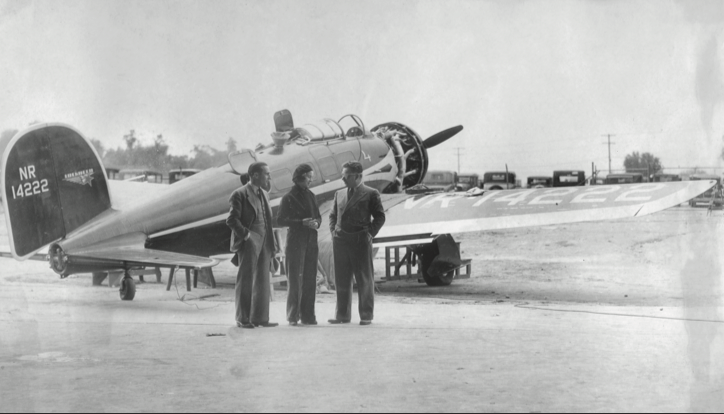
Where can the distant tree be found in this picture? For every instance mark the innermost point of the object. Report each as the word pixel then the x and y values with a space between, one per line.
pixel 642 163
pixel 100 148
pixel 159 143
pixel 156 156
pixel 130 139
pixel 208 157
pixel 231 145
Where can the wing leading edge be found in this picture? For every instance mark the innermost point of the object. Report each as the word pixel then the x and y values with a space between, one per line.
pixel 495 210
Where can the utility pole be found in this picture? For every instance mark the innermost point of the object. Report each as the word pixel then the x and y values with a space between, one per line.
pixel 458 150
pixel 609 150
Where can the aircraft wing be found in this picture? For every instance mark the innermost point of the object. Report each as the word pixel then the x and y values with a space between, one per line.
pixel 418 217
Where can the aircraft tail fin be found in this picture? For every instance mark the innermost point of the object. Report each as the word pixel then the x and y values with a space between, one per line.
pixel 53 182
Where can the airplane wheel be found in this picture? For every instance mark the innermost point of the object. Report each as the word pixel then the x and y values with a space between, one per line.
pixel 425 262
pixel 128 288
pixel 439 281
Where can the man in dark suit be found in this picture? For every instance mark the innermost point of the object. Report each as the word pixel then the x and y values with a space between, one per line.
pixel 356 218
pixel 252 239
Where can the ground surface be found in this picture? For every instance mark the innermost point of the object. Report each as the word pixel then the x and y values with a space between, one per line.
pixel 608 316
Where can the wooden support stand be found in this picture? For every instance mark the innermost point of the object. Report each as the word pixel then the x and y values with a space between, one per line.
pixel 406 260
pixel 206 276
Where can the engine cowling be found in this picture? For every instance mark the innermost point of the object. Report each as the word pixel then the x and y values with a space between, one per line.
pixel 410 154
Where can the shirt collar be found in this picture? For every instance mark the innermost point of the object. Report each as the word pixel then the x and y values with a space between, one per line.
pixel 254 188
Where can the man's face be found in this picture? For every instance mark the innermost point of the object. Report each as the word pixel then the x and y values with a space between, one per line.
pixel 262 179
pixel 351 180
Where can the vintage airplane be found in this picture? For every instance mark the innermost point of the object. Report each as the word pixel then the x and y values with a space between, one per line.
pixel 56 194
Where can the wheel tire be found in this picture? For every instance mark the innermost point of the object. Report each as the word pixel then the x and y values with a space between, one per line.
pixel 128 288
pixel 425 262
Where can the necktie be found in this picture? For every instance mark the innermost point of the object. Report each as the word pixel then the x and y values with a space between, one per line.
pixel 262 201
pixel 263 207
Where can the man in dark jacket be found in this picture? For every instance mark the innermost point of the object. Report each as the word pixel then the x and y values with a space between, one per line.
pixel 252 239
pixel 299 211
pixel 356 218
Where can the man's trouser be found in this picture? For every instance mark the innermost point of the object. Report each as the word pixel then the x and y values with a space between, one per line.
pixel 353 257
pixel 302 252
pixel 253 292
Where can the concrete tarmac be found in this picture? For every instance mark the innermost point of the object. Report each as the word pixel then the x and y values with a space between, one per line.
pixel 595 317
pixel 66 346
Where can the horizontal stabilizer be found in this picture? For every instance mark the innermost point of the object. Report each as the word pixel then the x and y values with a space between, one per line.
pixel 139 256
pixel 443 213
pixel 120 253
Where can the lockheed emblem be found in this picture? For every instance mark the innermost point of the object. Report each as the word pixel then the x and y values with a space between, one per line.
pixel 80 177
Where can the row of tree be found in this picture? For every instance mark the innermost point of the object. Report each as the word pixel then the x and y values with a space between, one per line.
pixel 156 157
pixel 645 163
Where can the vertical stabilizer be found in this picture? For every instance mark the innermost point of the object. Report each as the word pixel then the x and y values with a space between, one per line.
pixel 53 182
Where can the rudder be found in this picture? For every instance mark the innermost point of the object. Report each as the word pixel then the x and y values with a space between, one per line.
pixel 53 183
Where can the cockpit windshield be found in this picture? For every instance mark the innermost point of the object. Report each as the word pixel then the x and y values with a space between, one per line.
pixel 241 160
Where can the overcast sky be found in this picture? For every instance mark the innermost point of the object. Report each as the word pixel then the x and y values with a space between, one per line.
pixel 536 84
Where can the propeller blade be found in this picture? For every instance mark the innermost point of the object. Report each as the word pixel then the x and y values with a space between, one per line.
pixel 442 136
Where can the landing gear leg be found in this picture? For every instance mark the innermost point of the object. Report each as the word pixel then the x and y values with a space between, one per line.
pixel 128 287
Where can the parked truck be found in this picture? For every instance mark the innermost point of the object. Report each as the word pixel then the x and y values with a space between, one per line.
pixel 441 180
pixel 499 180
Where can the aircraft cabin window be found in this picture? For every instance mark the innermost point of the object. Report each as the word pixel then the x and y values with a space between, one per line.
pixel 281 180
pixel 329 169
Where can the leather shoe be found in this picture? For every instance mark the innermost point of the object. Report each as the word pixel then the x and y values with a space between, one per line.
pixel 336 321
pixel 266 325
pixel 365 323
pixel 244 325
pixel 293 323
pixel 309 323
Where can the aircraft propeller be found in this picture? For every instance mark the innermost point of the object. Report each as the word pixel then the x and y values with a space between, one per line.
pixel 442 136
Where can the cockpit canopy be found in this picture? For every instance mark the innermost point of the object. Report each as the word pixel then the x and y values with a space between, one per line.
pixel 348 126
